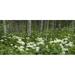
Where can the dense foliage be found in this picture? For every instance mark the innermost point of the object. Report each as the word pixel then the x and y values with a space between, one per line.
pixel 53 42
pixel 45 37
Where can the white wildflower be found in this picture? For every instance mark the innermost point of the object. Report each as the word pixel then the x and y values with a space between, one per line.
pixel 11 44
pixel 63 52
pixel 15 46
pixel 9 37
pixel 1 40
pixel 27 38
pixel 31 45
pixel 21 48
pixel 37 49
pixel 57 40
pixel 16 37
pixel 69 44
pixel 46 46
pixel 21 42
pixel 51 42
pixel 61 46
pixel 65 49
pixel 19 39
pixel 40 43
pixel 39 39
pixel 65 39
pixel 27 49
pixel 64 42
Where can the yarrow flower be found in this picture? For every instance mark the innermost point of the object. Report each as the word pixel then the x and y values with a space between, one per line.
pixel 40 41
pixel 11 44
pixel 21 42
pixel 31 45
pixel 21 48
pixel 37 49
pixel 16 46
pixel 1 40
pixel 69 44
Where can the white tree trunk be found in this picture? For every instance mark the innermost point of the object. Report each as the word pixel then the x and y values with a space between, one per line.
pixel 47 25
pixel 59 24
pixel 47 29
pixel 41 29
pixel 29 28
pixel 4 26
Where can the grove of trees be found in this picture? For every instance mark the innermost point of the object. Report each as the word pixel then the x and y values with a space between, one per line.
pixel 37 37
pixel 29 26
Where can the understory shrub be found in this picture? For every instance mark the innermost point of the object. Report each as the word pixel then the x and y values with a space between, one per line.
pixel 46 43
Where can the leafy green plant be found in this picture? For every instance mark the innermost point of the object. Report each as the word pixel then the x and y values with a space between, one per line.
pixel 46 43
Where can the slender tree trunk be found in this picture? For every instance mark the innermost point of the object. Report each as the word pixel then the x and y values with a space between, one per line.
pixel 73 25
pixel 29 28
pixel 41 28
pixel 4 26
pixel 47 26
pixel 47 29
pixel 59 24
pixel 53 24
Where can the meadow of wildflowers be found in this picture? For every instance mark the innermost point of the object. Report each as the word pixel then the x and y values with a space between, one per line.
pixel 53 43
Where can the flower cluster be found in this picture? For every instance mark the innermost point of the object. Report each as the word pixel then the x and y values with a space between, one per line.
pixel 41 45
pixel 64 43
pixel 40 41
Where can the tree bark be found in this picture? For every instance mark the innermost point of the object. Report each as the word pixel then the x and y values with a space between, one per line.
pixel 47 29
pixel 4 26
pixel 52 24
pixel 29 28
pixel 47 26
pixel 41 29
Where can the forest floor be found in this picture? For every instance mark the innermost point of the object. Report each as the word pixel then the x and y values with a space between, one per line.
pixel 45 43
